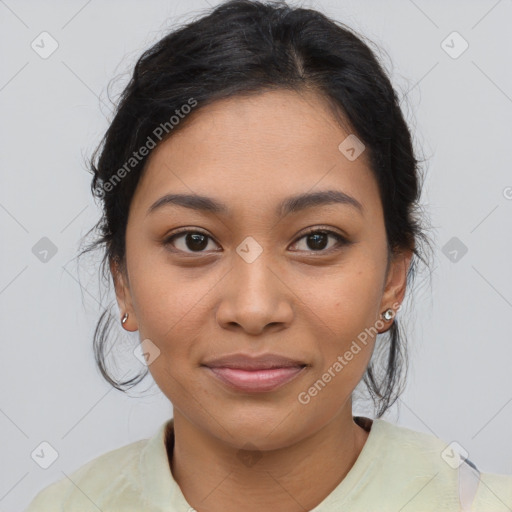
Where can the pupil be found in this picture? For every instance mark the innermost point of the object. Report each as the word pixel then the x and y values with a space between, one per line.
pixel 316 243
pixel 196 241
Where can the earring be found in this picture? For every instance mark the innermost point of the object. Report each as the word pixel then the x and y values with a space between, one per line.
pixel 388 314
pixel 125 317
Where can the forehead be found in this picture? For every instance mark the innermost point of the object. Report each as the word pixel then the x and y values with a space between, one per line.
pixel 257 148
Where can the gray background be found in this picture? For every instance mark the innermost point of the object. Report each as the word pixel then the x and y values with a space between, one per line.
pixel 54 112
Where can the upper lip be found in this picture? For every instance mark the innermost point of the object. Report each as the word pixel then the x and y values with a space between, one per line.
pixel 248 362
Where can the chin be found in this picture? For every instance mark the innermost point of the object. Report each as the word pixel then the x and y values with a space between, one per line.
pixel 266 431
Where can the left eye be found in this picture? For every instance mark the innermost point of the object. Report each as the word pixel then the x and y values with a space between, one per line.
pixel 318 240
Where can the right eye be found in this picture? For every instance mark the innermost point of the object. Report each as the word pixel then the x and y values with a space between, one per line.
pixel 193 240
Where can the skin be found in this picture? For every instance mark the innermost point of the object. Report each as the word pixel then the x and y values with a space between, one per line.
pixel 250 153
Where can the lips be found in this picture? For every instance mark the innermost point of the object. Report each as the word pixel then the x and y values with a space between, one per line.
pixel 247 362
pixel 255 374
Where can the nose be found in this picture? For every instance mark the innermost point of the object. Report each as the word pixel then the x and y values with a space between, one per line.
pixel 254 297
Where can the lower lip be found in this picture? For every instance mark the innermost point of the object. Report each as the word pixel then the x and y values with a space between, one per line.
pixel 256 380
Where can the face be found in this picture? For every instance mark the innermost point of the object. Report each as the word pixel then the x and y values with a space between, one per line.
pixel 251 278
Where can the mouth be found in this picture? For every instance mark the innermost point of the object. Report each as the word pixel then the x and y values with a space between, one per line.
pixel 247 373
pixel 262 380
pixel 254 374
pixel 250 362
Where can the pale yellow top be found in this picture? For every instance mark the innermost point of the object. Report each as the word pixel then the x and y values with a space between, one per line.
pixel 398 469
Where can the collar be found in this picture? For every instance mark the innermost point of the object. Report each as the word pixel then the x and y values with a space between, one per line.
pixel 159 489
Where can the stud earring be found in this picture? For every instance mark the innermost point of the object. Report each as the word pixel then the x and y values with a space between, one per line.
pixel 125 317
pixel 388 314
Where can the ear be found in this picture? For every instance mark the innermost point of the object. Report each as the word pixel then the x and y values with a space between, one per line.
pixel 123 295
pixel 396 282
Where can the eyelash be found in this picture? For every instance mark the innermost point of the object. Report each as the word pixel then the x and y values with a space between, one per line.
pixel 341 240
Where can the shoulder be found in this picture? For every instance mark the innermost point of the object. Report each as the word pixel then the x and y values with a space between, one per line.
pixel 429 468
pixel 494 493
pixel 92 485
pixel 424 449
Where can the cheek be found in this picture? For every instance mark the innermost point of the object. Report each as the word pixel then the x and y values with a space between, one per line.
pixel 171 312
pixel 169 306
pixel 342 308
pixel 160 293
pixel 343 314
pixel 347 299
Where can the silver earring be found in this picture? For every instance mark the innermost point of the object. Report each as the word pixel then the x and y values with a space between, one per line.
pixel 388 314
pixel 125 317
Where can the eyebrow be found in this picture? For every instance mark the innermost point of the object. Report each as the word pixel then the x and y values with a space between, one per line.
pixel 289 205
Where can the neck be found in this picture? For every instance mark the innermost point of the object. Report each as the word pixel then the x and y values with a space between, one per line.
pixel 215 477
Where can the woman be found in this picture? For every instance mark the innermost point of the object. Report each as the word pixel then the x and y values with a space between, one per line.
pixel 260 195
